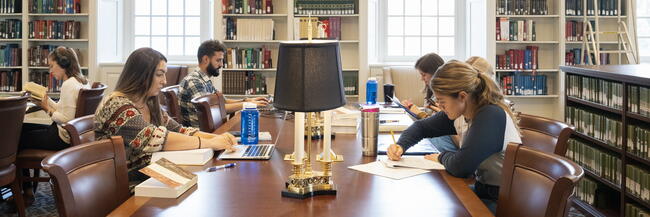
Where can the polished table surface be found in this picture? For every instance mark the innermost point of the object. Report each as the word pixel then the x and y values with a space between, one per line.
pixel 252 188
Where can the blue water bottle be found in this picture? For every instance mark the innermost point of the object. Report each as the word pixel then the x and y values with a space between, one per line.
pixel 371 91
pixel 250 122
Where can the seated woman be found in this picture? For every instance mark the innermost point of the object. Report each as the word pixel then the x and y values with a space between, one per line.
pixel 64 66
pixel 462 91
pixel 133 112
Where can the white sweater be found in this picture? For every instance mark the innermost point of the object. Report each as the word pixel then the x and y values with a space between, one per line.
pixel 67 105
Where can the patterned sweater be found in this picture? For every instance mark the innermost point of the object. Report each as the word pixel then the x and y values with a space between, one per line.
pixel 118 116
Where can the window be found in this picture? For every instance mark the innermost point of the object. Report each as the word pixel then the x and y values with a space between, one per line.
pixel 643 29
pixel 176 28
pixel 411 28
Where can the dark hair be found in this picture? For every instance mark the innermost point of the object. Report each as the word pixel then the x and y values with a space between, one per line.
pixel 137 77
pixel 208 48
pixel 429 64
pixel 66 58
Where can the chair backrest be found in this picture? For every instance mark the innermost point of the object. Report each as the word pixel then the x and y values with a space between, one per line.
pixel 544 134
pixel 535 183
pixel 89 179
pixel 170 101
pixel 81 130
pixel 12 113
pixel 407 81
pixel 89 99
pixel 175 73
pixel 211 110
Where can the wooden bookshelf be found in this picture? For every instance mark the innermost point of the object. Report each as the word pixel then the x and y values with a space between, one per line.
pixel 628 75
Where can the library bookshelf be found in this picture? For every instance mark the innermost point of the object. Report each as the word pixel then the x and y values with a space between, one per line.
pixel 85 44
pixel 284 16
pixel 585 88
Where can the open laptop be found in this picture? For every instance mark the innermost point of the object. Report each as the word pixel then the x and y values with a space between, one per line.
pixel 250 152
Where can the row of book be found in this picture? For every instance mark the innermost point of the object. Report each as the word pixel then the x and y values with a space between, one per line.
pixel 10 81
pixel 38 54
pixel 319 7
pixel 596 125
pixel 350 83
pixel 519 59
pixel 247 6
pixel 574 30
pixel 55 6
pixel 637 182
pixel 46 79
pixel 248 58
pixel 53 29
pixel 585 190
pixel 11 6
pixel 638 141
pixel 321 28
pixel 522 7
pixel 249 29
pixel 573 57
pixel 515 30
pixel 10 55
pixel 248 83
pixel 595 90
pixel 639 100
pixel 601 163
pixel 632 210
pixel 527 85
pixel 605 8
pixel 11 29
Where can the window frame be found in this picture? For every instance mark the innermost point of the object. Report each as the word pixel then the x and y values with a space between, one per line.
pixel 382 38
pixel 128 36
pixel 643 57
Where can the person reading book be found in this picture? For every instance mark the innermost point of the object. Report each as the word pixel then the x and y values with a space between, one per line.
pixel 197 83
pixel 64 66
pixel 133 111
pixel 461 90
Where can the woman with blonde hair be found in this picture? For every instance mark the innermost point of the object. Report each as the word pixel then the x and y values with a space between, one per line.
pixel 461 91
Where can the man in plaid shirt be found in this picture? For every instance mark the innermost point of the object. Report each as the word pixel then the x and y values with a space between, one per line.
pixel 198 83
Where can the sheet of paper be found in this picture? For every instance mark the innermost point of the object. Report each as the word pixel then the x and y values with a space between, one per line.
pixel 413 162
pixel 380 169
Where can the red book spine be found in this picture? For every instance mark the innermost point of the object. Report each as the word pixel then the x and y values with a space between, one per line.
pixel 498 29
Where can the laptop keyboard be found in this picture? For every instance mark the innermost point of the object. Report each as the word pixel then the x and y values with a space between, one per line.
pixel 257 150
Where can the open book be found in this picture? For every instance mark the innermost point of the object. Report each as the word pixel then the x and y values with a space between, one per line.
pixel 167 180
pixel 36 90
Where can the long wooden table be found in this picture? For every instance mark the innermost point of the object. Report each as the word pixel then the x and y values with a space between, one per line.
pixel 252 188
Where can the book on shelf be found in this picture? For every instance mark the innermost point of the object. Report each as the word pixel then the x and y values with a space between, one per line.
pixel 632 210
pixel 522 7
pixel 596 124
pixel 573 57
pixel 638 140
pixel 249 29
pixel 601 163
pixel 319 7
pixel 38 55
pixel 46 79
pixel 350 82
pixel 585 190
pixel 639 100
pixel 55 6
pixel 321 28
pixel 10 81
pixel 595 90
pixel 515 30
pixel 11 6
pixel 247 6
pixel 574 30
pixel 248 58
pixel 526 85
pixel 11 55
pixel 53 29
pixel 11 29
pixel 519 59
pixel 244 83
pixel 637 180
pixel 605 8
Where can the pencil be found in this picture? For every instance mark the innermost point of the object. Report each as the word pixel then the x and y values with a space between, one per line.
pixel 393 135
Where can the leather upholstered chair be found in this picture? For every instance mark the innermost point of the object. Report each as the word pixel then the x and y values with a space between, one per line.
pixel 544 134
pixel 90 179
pixel 175 73
pixel 81 130
pixel 407 81
pixel 170 102
pixel 12 113
pixel 89 99
pixel 535 183
pixel 211 110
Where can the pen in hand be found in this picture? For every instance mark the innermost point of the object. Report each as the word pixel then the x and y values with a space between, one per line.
pixel 392 134
pixel 215 168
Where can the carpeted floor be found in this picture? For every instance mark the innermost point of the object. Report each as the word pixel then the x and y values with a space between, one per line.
pixel 44 205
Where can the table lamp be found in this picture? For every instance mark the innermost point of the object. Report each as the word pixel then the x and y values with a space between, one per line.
pixel 309 79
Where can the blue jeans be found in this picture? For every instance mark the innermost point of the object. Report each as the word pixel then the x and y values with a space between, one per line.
pixel 444 143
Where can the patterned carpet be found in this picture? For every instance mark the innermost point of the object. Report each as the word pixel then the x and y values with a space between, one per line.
pixel 44 205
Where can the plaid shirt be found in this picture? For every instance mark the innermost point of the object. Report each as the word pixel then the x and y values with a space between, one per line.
pixel 193 85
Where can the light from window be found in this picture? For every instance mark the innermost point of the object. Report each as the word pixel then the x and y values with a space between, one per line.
pixel 643 29
pixel 172 27
pixel 417 27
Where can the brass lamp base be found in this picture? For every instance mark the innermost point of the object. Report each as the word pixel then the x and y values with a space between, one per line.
pixel 305 186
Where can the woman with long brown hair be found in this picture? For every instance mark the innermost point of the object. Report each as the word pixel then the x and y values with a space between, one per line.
pixel 461 91
pixel 133 112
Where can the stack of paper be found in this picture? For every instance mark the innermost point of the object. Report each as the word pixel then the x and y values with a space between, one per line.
pixel 345 121
pixel 195 157
pixel 404 168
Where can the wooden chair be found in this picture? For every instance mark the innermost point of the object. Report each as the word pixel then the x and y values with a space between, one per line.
pixel 170 102
pixel 175 73
pixel 211 110
pixel 12 113
pixel 544 134
pixel 535 183
pixel 89 179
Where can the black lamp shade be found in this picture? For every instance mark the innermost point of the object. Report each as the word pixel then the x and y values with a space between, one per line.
pixel 309 76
